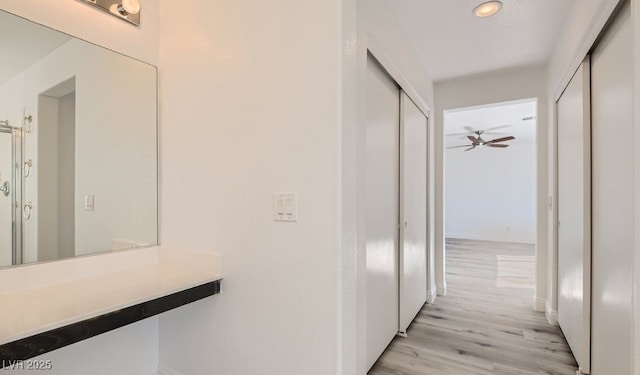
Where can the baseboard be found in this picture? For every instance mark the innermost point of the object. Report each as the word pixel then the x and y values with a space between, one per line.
pixel 539 304
pixel 431 295
pixel 579 372
pixel 163 370
pixel 441 291
pixel 552 316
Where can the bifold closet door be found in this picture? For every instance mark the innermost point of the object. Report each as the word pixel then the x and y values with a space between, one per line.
pixel 6 199
pixel 574 215
pixel 613 172
pixel 382 209
pixel 413 232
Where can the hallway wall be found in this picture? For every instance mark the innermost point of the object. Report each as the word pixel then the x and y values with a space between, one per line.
pixel 494 87
pixel 251 106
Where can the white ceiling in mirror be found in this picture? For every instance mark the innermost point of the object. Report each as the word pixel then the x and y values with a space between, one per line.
pixel 28 43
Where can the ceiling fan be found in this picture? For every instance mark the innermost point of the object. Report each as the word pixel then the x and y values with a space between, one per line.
pixel 477 141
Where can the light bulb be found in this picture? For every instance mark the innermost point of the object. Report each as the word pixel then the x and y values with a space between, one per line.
pixel 129 7
pixel 487 9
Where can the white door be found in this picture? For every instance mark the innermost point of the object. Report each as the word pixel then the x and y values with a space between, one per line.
pixel 413 232
pixel 613 172
pixel 382 209
pixel 6 213
pixel 574 215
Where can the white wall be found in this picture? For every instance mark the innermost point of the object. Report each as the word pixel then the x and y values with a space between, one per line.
pixel 251 106
pixel 134 347
pixel 237 92
pixel 491 193
pixel 489 88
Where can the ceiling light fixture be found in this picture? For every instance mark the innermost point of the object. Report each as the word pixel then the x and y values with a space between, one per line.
pixel 487 9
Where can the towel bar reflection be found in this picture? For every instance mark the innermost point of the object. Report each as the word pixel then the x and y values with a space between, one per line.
pixel 27 211
pixel 27 168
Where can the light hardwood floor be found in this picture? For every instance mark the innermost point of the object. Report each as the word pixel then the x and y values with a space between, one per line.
pixel 481 326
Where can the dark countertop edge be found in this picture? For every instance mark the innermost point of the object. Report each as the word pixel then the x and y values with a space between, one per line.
pixel 54 339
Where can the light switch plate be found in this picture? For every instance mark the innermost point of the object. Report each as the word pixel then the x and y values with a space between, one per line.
pixel 89 202
pixel 285 207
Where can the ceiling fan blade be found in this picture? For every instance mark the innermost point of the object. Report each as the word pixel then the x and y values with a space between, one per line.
pixel 469 129
pixel 503 139
pixel 473 139
pixel 459 146
pixel 497 145
pixel 498 127
pixel 470 148
pixel 455 134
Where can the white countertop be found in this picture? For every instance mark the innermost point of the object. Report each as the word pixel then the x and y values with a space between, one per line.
pixel 38 298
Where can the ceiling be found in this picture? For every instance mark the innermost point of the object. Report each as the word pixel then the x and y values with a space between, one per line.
pixel 485 117
pixel 452 42
pixel 23 43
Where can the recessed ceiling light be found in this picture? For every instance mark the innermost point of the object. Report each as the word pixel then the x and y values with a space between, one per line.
pixel 487 9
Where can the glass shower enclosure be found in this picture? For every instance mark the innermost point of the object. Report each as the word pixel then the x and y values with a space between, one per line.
pixel 11 184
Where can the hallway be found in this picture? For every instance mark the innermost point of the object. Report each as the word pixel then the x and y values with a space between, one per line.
pixel 485 325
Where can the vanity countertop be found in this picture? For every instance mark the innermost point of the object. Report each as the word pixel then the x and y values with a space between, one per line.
pixel 50 301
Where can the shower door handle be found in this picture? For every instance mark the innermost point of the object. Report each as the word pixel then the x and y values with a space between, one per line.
pixel 5 188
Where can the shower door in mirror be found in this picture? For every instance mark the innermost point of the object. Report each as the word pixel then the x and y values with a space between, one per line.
pixel 10 195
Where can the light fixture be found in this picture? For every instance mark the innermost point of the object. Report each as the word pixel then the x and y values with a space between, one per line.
pixel 488 8
pixel 128 7
pixel 127 10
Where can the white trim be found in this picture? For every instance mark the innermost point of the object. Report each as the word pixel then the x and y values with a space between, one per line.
pixel 597 24
pixel 539 304
pixel 432 295
pixel 163 370
pixel 442 290
pixel 552 316
pixel 635 345
pixel 376 49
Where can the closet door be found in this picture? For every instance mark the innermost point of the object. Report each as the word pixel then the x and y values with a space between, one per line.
pixel 574 215
pixel 382 209
pixel 413 232
pixel 612 190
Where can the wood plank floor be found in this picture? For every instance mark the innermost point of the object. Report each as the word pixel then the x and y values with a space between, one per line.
pixel 481 326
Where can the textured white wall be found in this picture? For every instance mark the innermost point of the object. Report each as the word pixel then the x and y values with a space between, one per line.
pixel 251 106
pixel 491 193
pixel 134 347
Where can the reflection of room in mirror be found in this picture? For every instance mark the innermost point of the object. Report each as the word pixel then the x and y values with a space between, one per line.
pixel 90 182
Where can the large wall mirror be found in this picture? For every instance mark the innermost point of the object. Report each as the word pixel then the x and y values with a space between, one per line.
pixel 78 147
